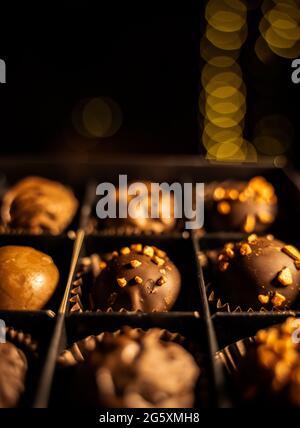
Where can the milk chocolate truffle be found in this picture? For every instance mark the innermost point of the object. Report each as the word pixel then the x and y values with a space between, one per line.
pixel 270 370
pixel 28 278
pixel 13 369
pixel 137 278
pixel 142 220
pixel 260 272
pixel 38 205
pixel 240 206
pixel 137 369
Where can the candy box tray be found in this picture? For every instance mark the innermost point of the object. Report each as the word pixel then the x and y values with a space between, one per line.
pixel 192 316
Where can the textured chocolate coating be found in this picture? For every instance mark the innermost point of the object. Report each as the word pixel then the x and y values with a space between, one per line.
pixel 259 272
pixel 137 278
pixel 240 206
pixel 28 278
pixel 13 369
pixel 269 373
pixel 143 221
pixel 137 369
pixel 38 205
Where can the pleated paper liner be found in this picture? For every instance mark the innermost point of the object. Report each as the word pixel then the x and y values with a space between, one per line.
pixel 89 269
pixel 30 348
pixel 127 230
pixel 231 356
pixel 218 305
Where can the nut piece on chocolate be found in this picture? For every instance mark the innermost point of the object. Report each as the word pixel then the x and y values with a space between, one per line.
pixel 240 206
pixel 270 369
pixel 137 369
pixel 38 205
pixel 260 272
pixel 13 369
pixel 28 278
pixel 144 280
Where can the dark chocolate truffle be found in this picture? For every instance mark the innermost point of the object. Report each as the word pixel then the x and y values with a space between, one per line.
pixel 269 372
pixel 38 205
pixel 240 206
pixel 142 221
pixel 138 369
pixel 28 278
pixel 260 272
pixel 137 278
pixel 13 369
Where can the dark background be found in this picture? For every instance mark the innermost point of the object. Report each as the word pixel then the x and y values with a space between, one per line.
pixel 146 59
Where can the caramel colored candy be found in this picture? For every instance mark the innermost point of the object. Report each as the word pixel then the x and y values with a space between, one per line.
pixel 28 278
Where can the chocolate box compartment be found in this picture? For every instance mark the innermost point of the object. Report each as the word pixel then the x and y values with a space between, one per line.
pixel 79 326
pixel 179 250
pixel 215 242
pixel 58 247
pixel 10 174
pixel 40 326
pixel 233 327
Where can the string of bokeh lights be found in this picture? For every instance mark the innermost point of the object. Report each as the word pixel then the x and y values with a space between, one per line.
pixel 222 101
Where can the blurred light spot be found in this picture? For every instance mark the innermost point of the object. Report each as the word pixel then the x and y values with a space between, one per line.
pixel 97 117
pixel 226 41
pixel 280 161
pixel 215 56
pixel 226 16
pixel 263 51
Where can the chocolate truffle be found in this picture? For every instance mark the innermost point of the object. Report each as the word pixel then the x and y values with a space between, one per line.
pixel 240 206
pixel 38 205
pixel 142 221
pixel 137 278
pixel 28 278
pixel 137 369
pixel 260 272
pixel 270 369
pixel 13 369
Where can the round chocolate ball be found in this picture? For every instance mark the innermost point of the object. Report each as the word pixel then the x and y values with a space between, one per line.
pixel 260 272
pixel 142 220
pixel 240 206
pixel 13 369
pixel 137 278
pixel 137 369
pixel 38 205
pixel 269 372
pixel 28 278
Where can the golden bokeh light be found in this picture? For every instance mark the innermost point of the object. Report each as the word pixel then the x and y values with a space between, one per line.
pixel 226 16
pixel 99 117
pixel 227 41
pixel 215 56
pixel 263 51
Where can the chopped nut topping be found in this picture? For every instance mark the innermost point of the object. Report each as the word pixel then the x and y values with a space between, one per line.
pixel 163 271
pixel 137 247
pixel 270 237
pixel 122 282
pixel 291 251
pixel 159 252
pixel 224 208
pixel 135 263
pixel 243 197
pixel 222 257
pixel 115 254
pixel 285 277
pixel 250 223
pixel 138 279
pixel 158 260
pixel 266 218
pixel 148 251
pixel 252 238
pixel 219 193
pixel 278 299
pixel 245 250
pixel 162 280
pixel 229 252
pixel 102 265
pixel 264 299
pixel 233 194
pixel 125 250
pixel 229 245
pixel 223 266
